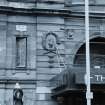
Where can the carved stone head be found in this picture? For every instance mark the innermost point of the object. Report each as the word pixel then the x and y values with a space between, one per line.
pixel 49 41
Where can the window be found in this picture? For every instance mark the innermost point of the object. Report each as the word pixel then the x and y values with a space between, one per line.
pixel 21 51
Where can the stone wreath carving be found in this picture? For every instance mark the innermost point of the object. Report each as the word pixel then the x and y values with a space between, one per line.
pixel 49 41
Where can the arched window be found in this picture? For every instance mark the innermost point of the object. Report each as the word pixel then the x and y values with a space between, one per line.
pixel 97 53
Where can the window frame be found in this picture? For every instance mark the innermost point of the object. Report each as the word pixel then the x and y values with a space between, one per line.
pixel 21 37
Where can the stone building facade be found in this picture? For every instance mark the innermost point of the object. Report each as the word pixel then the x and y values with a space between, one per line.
pixel 41 38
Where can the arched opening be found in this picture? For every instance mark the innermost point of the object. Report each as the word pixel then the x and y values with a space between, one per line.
pixel 97 54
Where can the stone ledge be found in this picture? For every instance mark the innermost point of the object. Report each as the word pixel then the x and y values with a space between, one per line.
pixel 11 80
pixel 39 1
pixel 93 14
pixel 33 11
pixel 29 1
pixel 51 1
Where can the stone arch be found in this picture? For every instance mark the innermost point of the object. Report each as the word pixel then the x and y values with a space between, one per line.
pixel 75 51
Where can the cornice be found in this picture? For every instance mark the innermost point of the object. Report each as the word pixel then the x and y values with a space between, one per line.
pixel 48 12
pixel 51 1
pixel 39 1
pixel 75 5
pixel 33 11
pixel 93 14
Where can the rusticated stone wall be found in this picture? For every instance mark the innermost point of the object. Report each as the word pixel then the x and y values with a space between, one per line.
pixel 40 22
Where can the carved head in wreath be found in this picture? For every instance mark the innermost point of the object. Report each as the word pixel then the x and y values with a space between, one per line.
pixel 49 41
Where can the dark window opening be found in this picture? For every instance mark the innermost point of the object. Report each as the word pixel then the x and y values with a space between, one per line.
pixel 97 54
pixel 21 52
